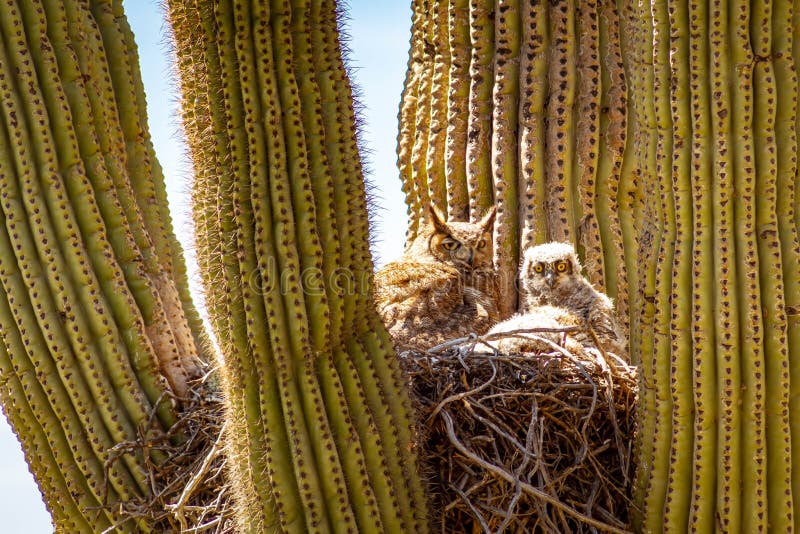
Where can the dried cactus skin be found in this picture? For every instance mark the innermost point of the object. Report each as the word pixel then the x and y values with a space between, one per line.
pixel 96 343
pixel 680 194
pixel 320 435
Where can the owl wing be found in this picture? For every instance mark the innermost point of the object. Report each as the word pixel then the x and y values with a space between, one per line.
pixel 418 284
pixel 608 331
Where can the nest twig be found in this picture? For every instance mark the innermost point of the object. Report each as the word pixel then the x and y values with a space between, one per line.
pixel 524 443
pixel 189 489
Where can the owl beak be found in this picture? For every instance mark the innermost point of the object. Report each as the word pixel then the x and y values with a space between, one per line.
pixel 550 278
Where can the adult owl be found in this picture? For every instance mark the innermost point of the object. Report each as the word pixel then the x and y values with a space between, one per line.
pixel 443 287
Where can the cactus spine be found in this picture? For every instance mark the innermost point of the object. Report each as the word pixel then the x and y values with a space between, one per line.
pixel 661 139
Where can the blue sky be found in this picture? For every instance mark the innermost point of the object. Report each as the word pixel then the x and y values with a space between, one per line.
pixel 379 33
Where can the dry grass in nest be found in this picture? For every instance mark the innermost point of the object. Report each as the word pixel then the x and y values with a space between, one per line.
pixel 190 493
pixel 524 443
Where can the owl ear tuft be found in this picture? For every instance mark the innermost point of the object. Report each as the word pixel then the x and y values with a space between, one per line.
pixel 487 221
pixel 437 219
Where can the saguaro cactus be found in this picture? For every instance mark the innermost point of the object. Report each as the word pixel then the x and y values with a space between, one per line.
pixel 662 139
pixel 318 419
pixel 98 333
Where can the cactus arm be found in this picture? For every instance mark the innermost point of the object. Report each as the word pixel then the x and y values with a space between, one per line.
pixel 89 341
pixel 76 138
pixel 656 371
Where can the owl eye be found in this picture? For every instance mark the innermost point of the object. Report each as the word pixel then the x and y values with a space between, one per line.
pixel 538 268
pixel 481 243
pixel 561 266
pixel 449 245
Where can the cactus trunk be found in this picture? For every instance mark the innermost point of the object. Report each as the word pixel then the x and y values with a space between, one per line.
pixel 100 341
pixel 319 422
pixel 661 139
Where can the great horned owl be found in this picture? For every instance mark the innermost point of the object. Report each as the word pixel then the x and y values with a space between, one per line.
pixel 443 287
pixel 551 275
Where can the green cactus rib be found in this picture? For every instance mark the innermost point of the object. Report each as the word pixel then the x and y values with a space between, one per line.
pixel 703 276
pixel 656 369
pixel 678 492
pixel 481 75
pixel 588 138
pixel 78 143
pixel 787 146
pixel 561 216
pixel 437 117
pixel 636 176
pixel 628 197
pixel 533 77
pixel 406 132
pixel 505 105
pixel 613 124
pixel 728 373
pixel 753 445
pixel 776 356
pixel 795 59
pixel 455 155
pixel 419 171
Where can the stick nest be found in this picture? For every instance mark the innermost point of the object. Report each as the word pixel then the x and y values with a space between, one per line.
pixel 524 443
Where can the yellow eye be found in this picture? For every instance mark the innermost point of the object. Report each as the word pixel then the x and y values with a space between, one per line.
pixel 561 266
pixel 481 243
pixel 449 245
pixel 538 268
